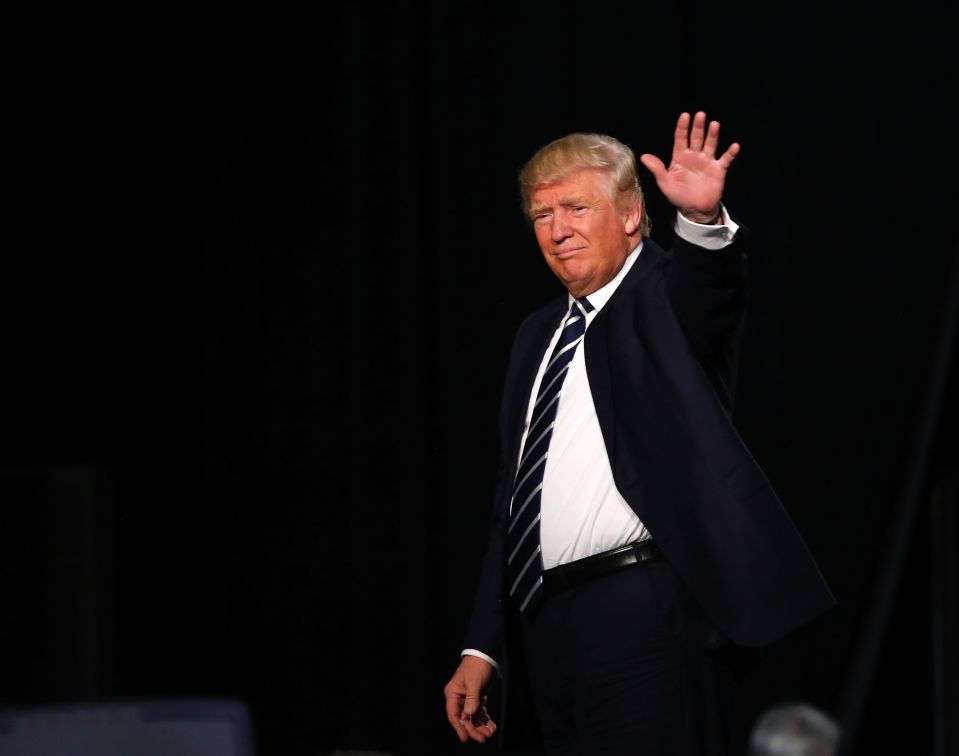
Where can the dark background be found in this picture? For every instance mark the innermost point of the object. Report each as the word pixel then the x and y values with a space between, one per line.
pixel 261 275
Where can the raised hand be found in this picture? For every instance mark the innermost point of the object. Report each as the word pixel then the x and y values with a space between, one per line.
pixel 694 181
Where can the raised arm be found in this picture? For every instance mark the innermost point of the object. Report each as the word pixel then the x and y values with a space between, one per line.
pixel 706 286
pixel 693 183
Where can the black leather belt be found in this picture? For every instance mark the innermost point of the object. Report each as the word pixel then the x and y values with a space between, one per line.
pixel 571 574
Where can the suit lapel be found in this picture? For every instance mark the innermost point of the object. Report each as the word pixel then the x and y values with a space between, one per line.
pixel 596 355
pixel 597 342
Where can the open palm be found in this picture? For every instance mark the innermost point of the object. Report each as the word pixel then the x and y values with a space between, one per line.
pixel 693 183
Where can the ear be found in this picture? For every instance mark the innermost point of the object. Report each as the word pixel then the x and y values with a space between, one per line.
pixel 633 216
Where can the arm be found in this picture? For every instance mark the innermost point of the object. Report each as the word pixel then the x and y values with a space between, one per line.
pixel 707 294
pixel 706 277
pixel 465 692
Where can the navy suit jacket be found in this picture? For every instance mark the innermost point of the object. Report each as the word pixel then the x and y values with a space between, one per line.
pixel 660 359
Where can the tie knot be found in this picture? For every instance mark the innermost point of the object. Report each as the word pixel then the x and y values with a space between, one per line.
pixel 585 304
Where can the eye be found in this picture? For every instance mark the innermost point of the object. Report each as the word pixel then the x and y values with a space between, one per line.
pixel 579 209
pixel 541 217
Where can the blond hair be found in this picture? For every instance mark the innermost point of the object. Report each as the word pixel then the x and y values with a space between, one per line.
pixel 578 152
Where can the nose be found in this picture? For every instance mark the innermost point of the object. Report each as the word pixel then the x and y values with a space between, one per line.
pixel 559 229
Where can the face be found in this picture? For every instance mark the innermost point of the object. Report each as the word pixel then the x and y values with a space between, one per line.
pixel 583 235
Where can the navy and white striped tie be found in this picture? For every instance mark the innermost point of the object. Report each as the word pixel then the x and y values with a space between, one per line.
pixel 524 561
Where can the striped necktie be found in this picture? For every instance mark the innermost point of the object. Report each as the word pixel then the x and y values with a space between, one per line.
pixel 524 562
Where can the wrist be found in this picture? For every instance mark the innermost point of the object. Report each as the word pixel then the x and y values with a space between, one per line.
pixel 709 218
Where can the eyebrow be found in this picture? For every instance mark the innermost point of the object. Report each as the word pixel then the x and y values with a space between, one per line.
pixel 563 202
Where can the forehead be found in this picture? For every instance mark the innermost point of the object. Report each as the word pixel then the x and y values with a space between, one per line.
pixel 589 184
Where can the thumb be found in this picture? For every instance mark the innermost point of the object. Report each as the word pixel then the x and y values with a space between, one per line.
pixel 470 706
pixel 654 164
pixel 471 702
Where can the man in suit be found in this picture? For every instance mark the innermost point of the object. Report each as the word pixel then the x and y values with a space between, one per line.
pixel 634 540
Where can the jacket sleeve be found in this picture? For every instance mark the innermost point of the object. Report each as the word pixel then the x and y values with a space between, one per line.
pixel 485 629
pixel 707 292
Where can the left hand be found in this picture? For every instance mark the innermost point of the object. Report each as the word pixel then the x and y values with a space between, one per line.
pixel 694 181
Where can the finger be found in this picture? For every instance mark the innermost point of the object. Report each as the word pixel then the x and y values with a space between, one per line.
pixel 681 135
pixel 654 165
pixel 696 135
pixel 712 139
pixel 481 732
pixel 454 713
pixel 481 715
pixel 729 155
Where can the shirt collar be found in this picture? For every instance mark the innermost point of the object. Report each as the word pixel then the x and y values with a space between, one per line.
pixel 601 296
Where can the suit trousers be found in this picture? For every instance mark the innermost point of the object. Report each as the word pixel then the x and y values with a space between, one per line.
pixel 617 665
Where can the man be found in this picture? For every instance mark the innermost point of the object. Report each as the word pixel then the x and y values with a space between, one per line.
pixel 633 538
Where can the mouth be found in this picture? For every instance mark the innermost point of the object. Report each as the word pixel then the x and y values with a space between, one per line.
pixel 565 254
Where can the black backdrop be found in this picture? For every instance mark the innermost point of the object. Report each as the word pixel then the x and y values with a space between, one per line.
pixel 263 273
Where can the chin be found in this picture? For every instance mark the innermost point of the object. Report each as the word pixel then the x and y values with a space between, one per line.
pixel 574 283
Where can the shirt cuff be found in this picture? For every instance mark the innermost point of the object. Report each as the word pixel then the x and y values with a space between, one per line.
pixel 709 237
pixel 481 655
